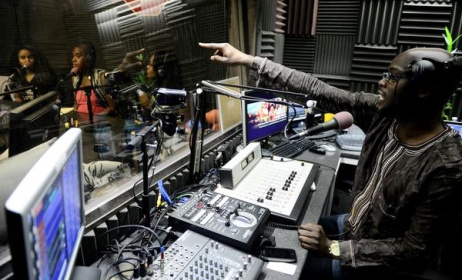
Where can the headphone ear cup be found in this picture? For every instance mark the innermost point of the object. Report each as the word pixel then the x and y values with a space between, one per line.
pixel 160 71
pixel 90 58
pixel 420 70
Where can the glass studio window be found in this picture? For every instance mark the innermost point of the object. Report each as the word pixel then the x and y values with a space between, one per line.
pixel 75 48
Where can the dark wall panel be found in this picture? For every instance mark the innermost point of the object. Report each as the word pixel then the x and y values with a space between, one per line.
pixel 422 24
pixel 379 22
pixel 338 17
pixel 301 17
pixel 299 53
pixel 334 54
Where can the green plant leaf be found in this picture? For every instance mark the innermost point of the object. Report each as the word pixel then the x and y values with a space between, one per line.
pixel 448 44
pixel 456 39
pixel 448 35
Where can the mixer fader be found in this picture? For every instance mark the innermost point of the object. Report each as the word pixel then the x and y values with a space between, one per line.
pixel 194 256
pixel 282 185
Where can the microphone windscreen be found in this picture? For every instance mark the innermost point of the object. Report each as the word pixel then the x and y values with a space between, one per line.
pixel 74 71
pixel 344 119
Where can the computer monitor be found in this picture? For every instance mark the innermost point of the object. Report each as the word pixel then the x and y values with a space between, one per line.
pixel 33 123
pixel 262 116
pixel 229 108
pixel 45 213
pixel 12 171
pixel 455 125
pixel 297 112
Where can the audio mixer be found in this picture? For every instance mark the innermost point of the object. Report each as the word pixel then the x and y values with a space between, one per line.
pixel 226 219
pixel 280 184
pixel 194 256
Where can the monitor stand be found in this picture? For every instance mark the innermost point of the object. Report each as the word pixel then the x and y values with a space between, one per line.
pixel 85 272
pixel 266 145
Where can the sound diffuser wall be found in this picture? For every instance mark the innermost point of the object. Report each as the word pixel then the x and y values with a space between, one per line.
pixel 355 40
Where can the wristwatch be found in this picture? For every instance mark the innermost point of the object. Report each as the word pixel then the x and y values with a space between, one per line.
pixel 334 249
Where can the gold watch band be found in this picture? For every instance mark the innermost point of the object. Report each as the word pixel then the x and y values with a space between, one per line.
pixel 334 249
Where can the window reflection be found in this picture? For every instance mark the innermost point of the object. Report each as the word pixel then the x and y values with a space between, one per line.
pixel 168 31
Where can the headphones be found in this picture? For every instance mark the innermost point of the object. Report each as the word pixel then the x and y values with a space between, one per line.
pixel 425 70
pixel 161 68
pixel 90 58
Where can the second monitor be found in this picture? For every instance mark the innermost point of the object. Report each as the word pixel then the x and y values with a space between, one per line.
pixel 264 115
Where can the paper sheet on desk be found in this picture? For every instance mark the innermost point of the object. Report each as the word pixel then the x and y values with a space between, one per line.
pixel 65 110
pixel 287 268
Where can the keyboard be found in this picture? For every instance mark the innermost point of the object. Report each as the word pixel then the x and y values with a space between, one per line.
pixel 350 141
pixel 291 149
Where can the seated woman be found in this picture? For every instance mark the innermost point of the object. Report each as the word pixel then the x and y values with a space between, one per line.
pixel 31 69
pixel 89 82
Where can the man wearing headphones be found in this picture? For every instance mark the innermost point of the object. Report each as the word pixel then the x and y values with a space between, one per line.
pixel 405 209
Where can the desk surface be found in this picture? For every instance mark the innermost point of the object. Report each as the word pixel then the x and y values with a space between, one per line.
pixel 317 207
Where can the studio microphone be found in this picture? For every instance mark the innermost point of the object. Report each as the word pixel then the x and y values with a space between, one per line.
pixel 341 120
pixel 74 71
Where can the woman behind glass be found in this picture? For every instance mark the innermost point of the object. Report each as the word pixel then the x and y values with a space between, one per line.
pixel 89 81
pixel 31 69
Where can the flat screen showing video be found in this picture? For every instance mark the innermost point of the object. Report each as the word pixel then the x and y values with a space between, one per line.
pixel 265 115
pixel 455 125
pixel 297 112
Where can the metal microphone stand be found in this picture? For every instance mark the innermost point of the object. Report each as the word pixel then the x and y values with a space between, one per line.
pixel 141 137
pixel 17 90
pixel 196 140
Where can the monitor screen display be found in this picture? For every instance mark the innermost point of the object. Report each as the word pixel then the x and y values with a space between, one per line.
pixel 45 214
pixel 297 112
pixel 263 116
pixel 455 125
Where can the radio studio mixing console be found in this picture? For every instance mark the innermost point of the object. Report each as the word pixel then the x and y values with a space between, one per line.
pixel 194 256
pixel 280 184
pixel 223 218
